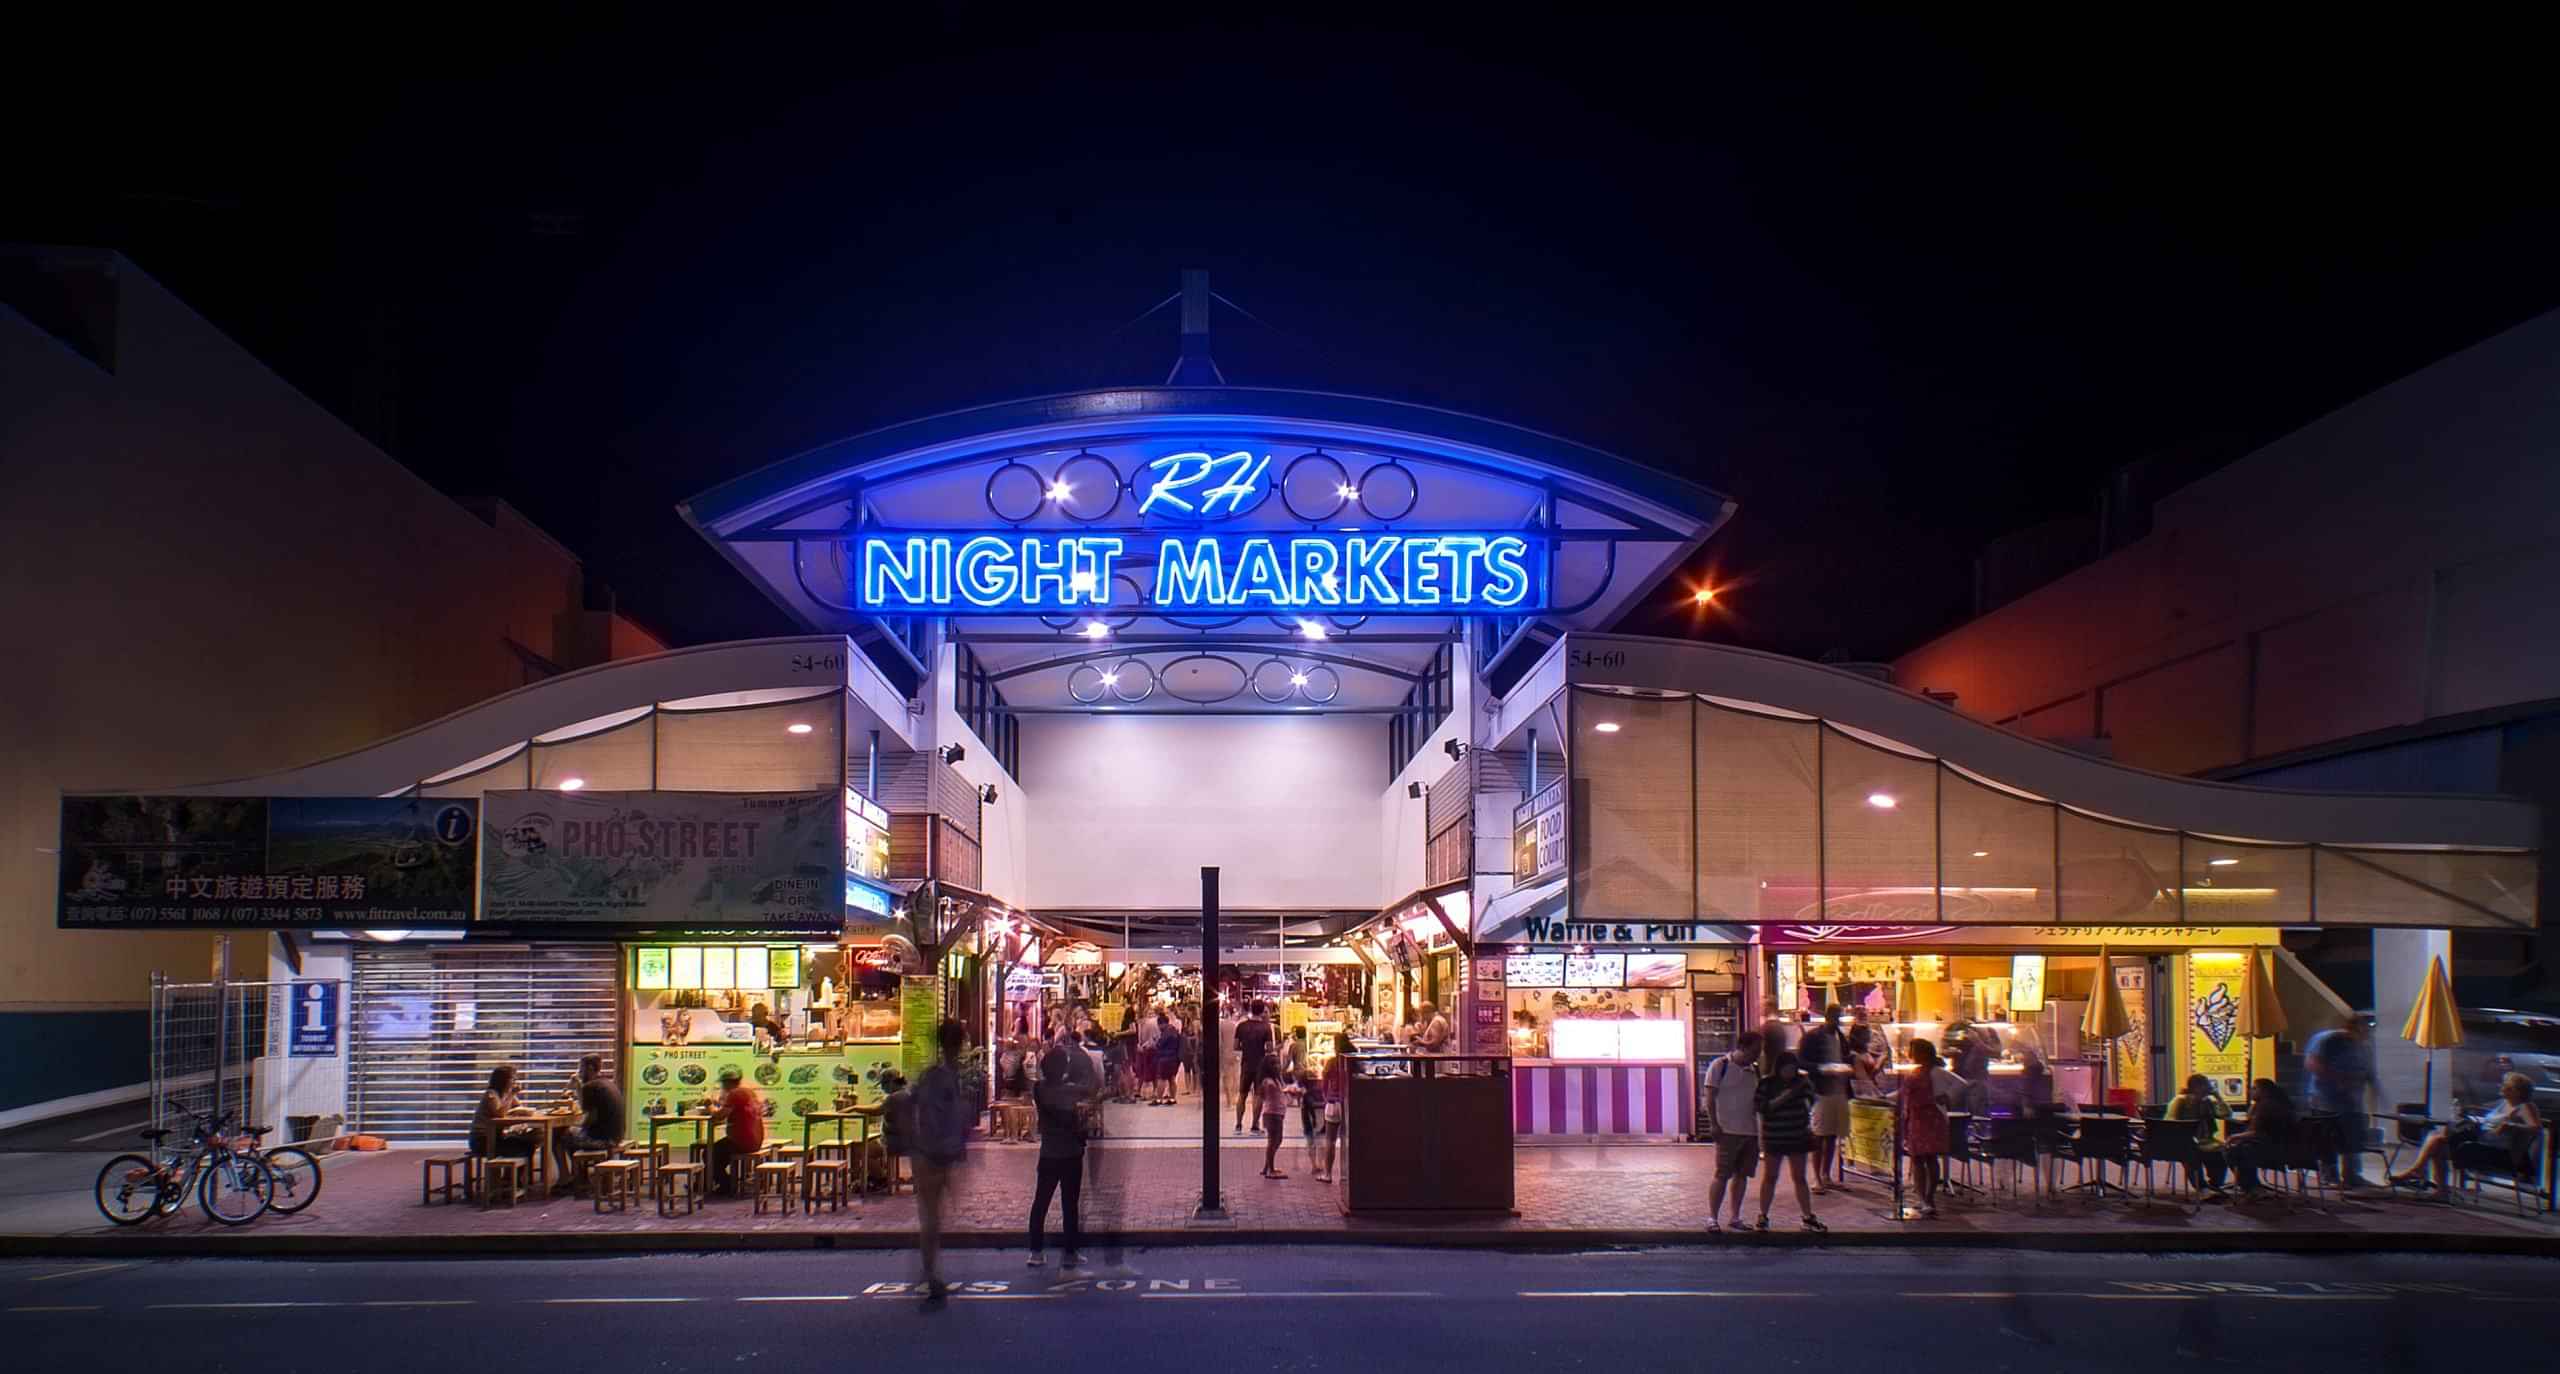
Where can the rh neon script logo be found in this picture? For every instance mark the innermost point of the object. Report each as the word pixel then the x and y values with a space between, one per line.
pixel 1182 484
pixel 1361 573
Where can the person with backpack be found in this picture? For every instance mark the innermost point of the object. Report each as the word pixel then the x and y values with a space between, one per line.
pixel 1733 1090
pixel 942 1115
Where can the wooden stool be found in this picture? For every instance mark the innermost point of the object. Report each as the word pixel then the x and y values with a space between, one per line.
pixel 776 1182
pixel 827 1181
pixel 651 1159
pixel 503 1172
pixel 445 1175
pixel 679 1183
pixel 837 1150
pixel 583 1162
pixel 615 1181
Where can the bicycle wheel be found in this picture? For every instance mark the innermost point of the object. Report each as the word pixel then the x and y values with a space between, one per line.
pixel 237 1189
pixel 297 1178
pixel 129 1190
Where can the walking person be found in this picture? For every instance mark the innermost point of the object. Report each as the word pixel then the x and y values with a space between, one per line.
pixel 1786 1126
pixel 1271 1098
pixel 1168 1058
pixel 1067 1082
pixel 1337 1094
pixel 1733 1092
pixel 2340 1064
pixel 1924 1125
pixel 1825 1054
pixel 943 1115
pixel 1253 1052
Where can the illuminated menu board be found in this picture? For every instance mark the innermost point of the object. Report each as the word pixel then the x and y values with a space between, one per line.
pixel 685 967
pixel 719 967
pixel 1534 970
pixel 649 968
pixel 1595 971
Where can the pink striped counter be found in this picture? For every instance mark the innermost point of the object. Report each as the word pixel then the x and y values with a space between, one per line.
pixel 1599 1099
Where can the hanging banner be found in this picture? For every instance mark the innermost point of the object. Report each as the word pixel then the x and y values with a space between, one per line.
pixel 2217 991
pixel 235 863
pixel 920 1021
pixel 1538 836
pixel 762 860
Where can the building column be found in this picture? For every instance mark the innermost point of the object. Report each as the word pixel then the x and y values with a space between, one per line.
pixel 2399 971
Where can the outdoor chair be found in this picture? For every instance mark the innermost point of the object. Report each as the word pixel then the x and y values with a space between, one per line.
pixel 2100 1140
pixel 2409 1131
pixel 2162 1141
pixel 2012 1139
pixel 1958 1164
pixel 2520 1171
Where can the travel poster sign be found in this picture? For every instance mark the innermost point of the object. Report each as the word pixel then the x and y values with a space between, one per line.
pixel 732 860
pixel 253 863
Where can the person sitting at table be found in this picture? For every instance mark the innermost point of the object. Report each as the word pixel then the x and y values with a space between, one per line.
pixel 2511 1126
pixel 741 1113
pixel 490 1133
pixel 2271 1125
pixel 600 1116
pixel 2198 1103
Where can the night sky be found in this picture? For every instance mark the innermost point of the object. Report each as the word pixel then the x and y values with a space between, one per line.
pixel 1896 289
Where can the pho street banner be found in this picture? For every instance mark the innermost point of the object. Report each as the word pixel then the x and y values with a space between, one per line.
pixel 251 863
pixel 702 859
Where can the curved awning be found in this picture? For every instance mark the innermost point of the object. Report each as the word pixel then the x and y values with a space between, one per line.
pixel 1719 784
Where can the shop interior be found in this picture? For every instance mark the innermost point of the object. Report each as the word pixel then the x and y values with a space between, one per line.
pixel 2003 1009
pixel 814 1025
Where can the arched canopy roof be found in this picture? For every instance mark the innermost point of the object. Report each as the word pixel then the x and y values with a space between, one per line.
pixel 1315 471
pixel 1719 784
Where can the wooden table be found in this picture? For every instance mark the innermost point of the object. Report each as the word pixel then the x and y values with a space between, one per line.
pixel 546 1123
pixel 837 1116
pixel 699 1121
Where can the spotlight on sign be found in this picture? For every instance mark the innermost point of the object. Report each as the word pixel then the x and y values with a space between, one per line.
pixel 1095 629
pixel 1060 490
pixel 953 753
pixel 1310 629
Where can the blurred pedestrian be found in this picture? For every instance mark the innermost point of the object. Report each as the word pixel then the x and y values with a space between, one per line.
pixel 943 1114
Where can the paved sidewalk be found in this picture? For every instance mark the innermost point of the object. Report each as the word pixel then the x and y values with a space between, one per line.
pixel 1144 1193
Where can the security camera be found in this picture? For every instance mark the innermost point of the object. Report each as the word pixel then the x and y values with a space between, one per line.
pixel 1457 749
pixel 987 793
pixel 953 753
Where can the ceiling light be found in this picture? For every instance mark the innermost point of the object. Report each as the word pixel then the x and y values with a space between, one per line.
pixel 1607 727
pixel 1703 596
pixel 1982 853
pixel 1310 629
pixel 1882 801
pixel 572 784
pixel 1060 491
pixel 2222 863
pixel 1095 629
pixel 800 727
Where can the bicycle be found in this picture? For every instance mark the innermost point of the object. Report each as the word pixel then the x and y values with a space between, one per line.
pixel 233 1186
pixel 296 1172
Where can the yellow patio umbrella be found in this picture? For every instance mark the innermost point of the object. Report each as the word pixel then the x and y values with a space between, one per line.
pixel 2435 1023
pixel 2261 1013
pixel 2106 1020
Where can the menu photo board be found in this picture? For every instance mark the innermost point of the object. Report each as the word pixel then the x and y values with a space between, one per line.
pixel 783 965
pixel 649 968
pixel 1534 970
pixel 1595 970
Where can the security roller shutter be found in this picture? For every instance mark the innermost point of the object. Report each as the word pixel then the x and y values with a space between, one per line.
pixel 431 1021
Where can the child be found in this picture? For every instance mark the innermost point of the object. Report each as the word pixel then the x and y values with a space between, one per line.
pixel 1924 1124
pixel 1272 1100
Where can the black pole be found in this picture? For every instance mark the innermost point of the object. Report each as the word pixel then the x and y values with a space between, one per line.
pixel 1212 1207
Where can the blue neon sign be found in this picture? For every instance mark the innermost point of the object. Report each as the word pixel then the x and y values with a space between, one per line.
pixel 1200 485
pixel 1345 572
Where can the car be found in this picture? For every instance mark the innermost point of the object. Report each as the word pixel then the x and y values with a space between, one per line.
pixel 2497 1041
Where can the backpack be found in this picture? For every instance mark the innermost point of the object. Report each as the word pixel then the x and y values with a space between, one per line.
pixel 943 1115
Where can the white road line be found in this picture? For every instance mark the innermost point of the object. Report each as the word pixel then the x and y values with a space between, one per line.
pixel 66 1307
pixel 2141 1297
pixel 1663 1293
pixel 803 1297
pixel 1309 1294
pixel 231 1306
pixel 418 1302
pixel 598 1302
pixel 85 1269
pixel 2319 1297
pixel 1917 1293
pixel 989 1297
pixel 112 1130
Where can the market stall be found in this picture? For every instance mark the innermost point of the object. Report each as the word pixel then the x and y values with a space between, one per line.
pixel 813 1025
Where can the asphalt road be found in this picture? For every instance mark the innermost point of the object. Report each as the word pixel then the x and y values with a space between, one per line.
pixel 1297 1308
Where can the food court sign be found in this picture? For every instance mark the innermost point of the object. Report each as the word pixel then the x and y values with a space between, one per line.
pixel 1176 559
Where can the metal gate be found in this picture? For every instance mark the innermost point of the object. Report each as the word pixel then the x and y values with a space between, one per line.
pixel 430 1022
pixel 226 1046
